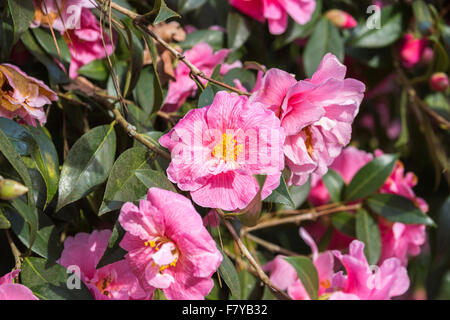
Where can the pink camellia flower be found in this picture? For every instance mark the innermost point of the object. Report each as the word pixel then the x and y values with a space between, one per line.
pixel 204 58
pixel 368 282
pixel 23 96
pixel 284 276
pixel 14 291
pixel 398 239
pixel 216 151
pixel 276 11
pixel 61 15
pixel 111 282
pixel 316 114
pixel 412 49
pixel 85 43
pixel 341 19
pixel 168 246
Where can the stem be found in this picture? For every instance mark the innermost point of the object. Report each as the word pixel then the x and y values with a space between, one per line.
pixel 16 253
pixel 140 21
pixel 251 260
pixel 302 217
pixel 269 245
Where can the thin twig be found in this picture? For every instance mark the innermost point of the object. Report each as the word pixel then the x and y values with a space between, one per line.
pixel 16 253
pixel 251 260
pixel 313 215
pixel 270 246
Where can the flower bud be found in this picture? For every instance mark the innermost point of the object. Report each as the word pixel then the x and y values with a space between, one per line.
pixel 427 56
pixel 341 19
pixel 439 81
pixel 10 189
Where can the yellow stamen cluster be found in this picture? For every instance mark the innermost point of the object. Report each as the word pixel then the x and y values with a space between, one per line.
pixel 228 149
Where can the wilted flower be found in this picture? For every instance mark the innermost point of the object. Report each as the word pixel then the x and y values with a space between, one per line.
pixel 276 11
pixel 13 291
pixel 111 282
pixel 316 114
pixel 168 246
pixel 217 150
pixel 23 96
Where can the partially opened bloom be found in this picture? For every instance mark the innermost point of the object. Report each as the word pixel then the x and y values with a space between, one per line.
pixel 85 43
pixel 216 151
pixel 316 114
pixel 205 59
pixel 368 282
pixel 276 11
pixel 168 246
pixel 14 291
pixel 111 282
pixel 412 49
pixel 23 96
pixel 341 19
pixel 61 15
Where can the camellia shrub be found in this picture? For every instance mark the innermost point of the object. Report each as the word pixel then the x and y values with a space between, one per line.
pixel 241 149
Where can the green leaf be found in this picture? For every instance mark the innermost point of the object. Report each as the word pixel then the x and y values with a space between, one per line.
pixel 123 185
pixel 443 236
pixel 438 103
pixel 47 42
pixel 144 92
pixel 189 5
pixel 307 273
pixel 4 222
pixel 154 179
pixel 97 70
pixel 49 281
pixel 238 30
pixel 281 194
pixel 424 20
pixel 390 30
pixel 229 274
pixel 22 12
pixel 398 209
pixel 157 88
pixel 114 251
pixel 299 194
pixel 371 177
pixel 161 12
pixel 333 182
pixel 87 165
pixel 30 216
pixel 136 57
pixel 46 159
pixel 13 157
pixel 206 97
pixel 19 136
pixel 324 39
pixel 368 232
pixel 214 38
pixel 344 222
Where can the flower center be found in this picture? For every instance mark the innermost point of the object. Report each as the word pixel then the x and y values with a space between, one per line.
pixel 308 140
pixel 103 285
pixel 227 149
pixel 166 253
pixel 325 283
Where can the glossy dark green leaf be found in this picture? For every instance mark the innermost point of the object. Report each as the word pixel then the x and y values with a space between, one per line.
pixel 13 157
pixel 439 103
pixel 398 209
pixel 97 70
pixel 22 12
pixel 189 5
pixel 46 159
pixel 389 31
pixel 228 272
pixel 424 20
pixel 368 232
pixel 214 38
pixel 123 185
pixel 281 194
pixel 29 215
pixel 19 136
pixel 324 39
pixel 238 30
pixel 161 12
pixel 157 88
pixel 154 179
pixel 371 177
pixel 144 92
pixel 344 222
pixel 87 165
pixel 307 273
pixel 206 97
pixel 47 42
pixel 49 281
pixel 136 56
pixel 113 251
pixel 299 194
pixel 333 182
